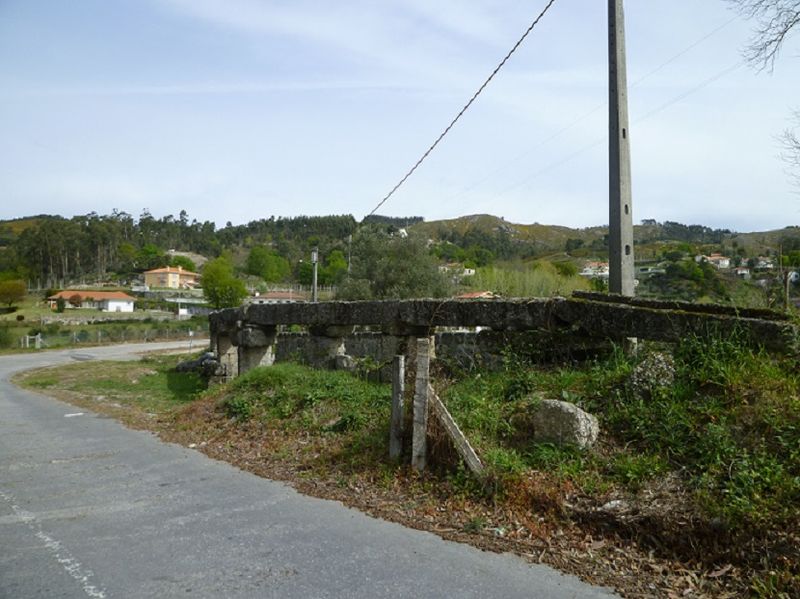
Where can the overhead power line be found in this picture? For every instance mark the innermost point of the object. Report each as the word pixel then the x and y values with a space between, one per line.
pixel 509 163
pixel 682 96
pixel 465 108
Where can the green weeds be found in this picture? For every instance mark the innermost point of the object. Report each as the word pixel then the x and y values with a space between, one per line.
pixel 308 399
pixel 728 425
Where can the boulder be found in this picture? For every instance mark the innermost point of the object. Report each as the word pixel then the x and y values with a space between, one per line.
pixel 654 373
pixel 345 362
pixel 563 423
pixel 207 365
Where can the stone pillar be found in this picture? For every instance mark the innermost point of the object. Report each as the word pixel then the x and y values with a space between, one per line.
pixel 327 345
pixel 256 347
pixel 228 358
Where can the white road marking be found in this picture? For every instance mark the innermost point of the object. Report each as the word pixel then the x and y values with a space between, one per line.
pixel 73 415
pixel 71 566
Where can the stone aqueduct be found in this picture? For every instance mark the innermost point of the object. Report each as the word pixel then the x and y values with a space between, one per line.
pixel 339 333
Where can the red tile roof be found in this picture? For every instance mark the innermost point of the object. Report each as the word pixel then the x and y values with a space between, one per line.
pixel 95 295
pixel 173 270
pixel 477 295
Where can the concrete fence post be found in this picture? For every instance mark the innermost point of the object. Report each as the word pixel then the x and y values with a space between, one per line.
pixel 396 424
pixel 419 442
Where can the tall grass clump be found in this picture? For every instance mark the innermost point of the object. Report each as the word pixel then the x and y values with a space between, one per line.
pixel 537 279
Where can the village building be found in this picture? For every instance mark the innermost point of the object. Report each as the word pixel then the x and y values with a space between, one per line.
pixel 457 270
pixel 279 297
pixel 478 295
pixel 106 301
pixel 718 261
pixel 595 270
pixel 171 277
pixel 764 263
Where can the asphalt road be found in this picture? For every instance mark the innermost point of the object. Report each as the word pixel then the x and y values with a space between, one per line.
pixel 89 508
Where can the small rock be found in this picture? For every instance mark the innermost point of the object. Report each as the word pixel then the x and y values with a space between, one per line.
pixel 345 362
pixel 564 423
pixel 192 445
pixel 615 505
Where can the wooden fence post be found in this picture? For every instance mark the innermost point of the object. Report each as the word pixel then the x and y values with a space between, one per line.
pixel 396 424
pixel 460 441
pixel 422 382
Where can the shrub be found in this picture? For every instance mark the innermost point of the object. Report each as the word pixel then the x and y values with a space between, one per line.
pixel 5 338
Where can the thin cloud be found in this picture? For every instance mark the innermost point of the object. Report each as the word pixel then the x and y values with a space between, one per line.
pixel 198 89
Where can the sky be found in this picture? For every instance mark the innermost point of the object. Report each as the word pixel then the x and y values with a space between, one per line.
pixel 237 110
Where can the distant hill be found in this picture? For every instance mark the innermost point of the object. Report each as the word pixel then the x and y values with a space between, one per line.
pixel 10 230
pixel 756 242
pixel 550 235
pixel 554 238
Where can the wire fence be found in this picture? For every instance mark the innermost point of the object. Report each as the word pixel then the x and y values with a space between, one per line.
pixel 196 334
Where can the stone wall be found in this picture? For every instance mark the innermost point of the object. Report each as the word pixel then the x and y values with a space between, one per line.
pixel 539 328
pixel 463 349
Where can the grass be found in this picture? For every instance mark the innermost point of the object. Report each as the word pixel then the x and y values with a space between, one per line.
pixel 112 328
pixel 729 425
pixel 537 279
pixel 148 386
pixel 347 415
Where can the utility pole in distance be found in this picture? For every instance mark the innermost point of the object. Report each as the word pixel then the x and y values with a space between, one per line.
pixel 314 262
pixel 620 224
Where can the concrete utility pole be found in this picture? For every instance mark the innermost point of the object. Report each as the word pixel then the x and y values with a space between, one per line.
pixel 314 261
pixel 620 224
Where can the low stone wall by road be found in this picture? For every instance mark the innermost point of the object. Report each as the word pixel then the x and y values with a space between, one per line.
pixel 249 336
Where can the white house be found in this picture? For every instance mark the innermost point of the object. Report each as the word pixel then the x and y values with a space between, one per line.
pixel 718 261
pixel 595 270
pixel 106 301
pixel 763 263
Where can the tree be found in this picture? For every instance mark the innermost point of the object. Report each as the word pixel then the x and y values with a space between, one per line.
pixel 776 21
pixel 267 264
pixel 151 256
pixel 335 268
pixel 392 267
pixel 791 147
pixel 184 262
pixel 220 287
pixel 12 292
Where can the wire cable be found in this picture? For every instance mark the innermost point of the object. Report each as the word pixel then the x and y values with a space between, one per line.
pixel 682 96
pixel 465 108
pixel 582 118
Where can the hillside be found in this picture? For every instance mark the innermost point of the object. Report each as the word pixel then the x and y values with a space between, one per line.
pixel 55 250
pixel 545 236
pixel 554 238
pixel 10 230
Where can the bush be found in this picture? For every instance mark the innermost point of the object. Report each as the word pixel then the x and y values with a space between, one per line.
pixel 6 340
